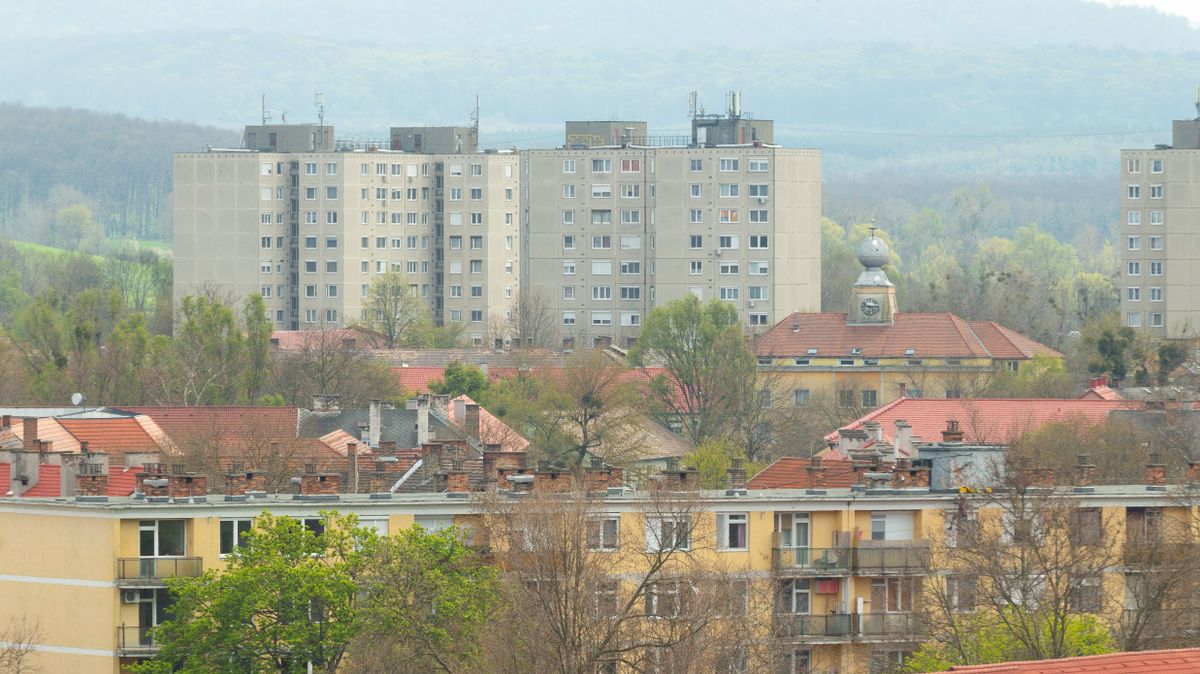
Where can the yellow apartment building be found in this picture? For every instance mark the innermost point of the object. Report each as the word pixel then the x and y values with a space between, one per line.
pixel 837 573
pixel 876 354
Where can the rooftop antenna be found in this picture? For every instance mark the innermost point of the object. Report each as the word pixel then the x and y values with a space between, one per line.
pixel 1197 102
pixel 283 116
pixel 77 399
pixel 692 98
pixel 319 101
pixel 266 115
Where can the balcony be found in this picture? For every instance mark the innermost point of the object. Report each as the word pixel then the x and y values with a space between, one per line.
pixel 811 561
pixel 135 642
pixel 904 558
pixel 1147 553
pixel 817 628
pixel 870 627
pixel 153 571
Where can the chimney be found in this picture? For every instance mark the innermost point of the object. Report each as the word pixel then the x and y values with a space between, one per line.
pixel 320 483
pixel 185 486
pixel 374 419
pixel 7 421
pixel 551 481
pixel 422 420
pixel 816 472
pixel 952 433
pixel 471 420
pixel 1193 471
pixel 902 441
pixel 1156 471
pixel 352 459
pixel 29 428
pixel 735 475
pixel 1031 476
pixel 326 402
pixel 457 479
pixel 89 483
pixel 874 431
pixel 1085 472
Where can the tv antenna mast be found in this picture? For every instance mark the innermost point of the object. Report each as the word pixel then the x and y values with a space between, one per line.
pixel 319 101
pixel 266 114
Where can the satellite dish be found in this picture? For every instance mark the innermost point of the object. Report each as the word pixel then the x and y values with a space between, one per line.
pixel 77 399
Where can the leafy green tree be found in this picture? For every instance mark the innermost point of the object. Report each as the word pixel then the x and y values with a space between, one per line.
pixel 287 597
pixel 713 459
pixel 395 312
pixel 988 639
pixel 461 379
pixel 706 359
pixel 1170 356
pixel 202 365
pixel 257 347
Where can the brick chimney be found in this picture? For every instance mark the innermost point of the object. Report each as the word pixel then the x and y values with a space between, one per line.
pixel 552 481
pixel 29 432
pixel 816 472
pixel 88 484
pixel 320 483
pixel 735 475
pixel 6 422
pixel 1156 471
pixel 457 480
pixel 471 420
pixel 953 432
pixel 352 468
pixel 1193 471
pixel 1085 471
pixel 1034 476
pixel 187 485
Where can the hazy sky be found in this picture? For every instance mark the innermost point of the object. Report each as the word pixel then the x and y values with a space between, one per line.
pixel 1188 8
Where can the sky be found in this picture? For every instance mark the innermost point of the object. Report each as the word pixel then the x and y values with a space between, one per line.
pixel 1186 8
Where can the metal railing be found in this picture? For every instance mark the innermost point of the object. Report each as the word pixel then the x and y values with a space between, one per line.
pixel 817 561
pixel 847 627
pixel 144 570
pixel 135 640
pixel 907 558
pixel 835 626
pixel 887 625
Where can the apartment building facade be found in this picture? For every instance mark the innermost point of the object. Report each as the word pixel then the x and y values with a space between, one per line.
pixel 309 223
pixel 616 222
pixel 1160 235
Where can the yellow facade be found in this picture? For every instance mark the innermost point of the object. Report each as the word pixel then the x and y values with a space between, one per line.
pixel 837 573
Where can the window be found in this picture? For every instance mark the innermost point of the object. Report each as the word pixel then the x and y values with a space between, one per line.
pixel 892 595
pixel 1134 218
pixel 331 192
pixel 568 242
pixel 310 291
pixel 759 293
pixel 476 243
pixel 731 531
pixel 568 166
pixel 476 315
pixel 1133 319
pixel 695 267
pixel 568 217
pixel 266 242
pixel 1135 243
pixel 310 193
pixel 758 166
pixel 310 168
pixel 760 190
pixel 631 166
pixel 310 242
pixel 602 293
pixel 1156 166
pixel 456 315
pixel 601 191
pixel 727 215
pixel 604 533
pixel 1133 166
pixel 568 191
pixel 870 398
pixel 1133 268
pixel 631 217
pixel 1156 294
pixel 668 533
pixel 233 531
pixel 264 267
pixel 630 319
pixel 310 315
pixel 728 165
pixel 1086 526
pixel 455 194
pixel 727 242
pixel 696 165
pixel 1085 595
pixel 696 216
pixel 730 293
pixel 331 291
pixel 601 318
pixel 1156 268
pixel 475 194
pixel 601 217
pixel 568 318
pixel 1133 294
pixel 331 266
pixel 602 267
pixel 695 241
pixel 568 292
pixel 1134 191
pixel 667 599
pixel 801 396
pixel 631 191
pixel 601 166
pixel 1156 191
pixel 455 290
pixel 631 267
pixel 476 266
pixel 759 242
pixel 759 216
pixel 758 319
pixel 631 242
pixel 631 292
pixel 1156 243
pixel 729 190
pixel 601 242
pixel 568 267
pixel 161 538
pixel 728 268
pixel 758 268
pixel 265 219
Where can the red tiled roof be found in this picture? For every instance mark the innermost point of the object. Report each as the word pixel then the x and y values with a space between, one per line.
pixel 181 422
pixel 328 339
pixel 984 419
pixel 491 429
pixel 48 428
pixel 117 435
pixel 1101 393
pixel 933 335
pixel 1176 661
pixel 417 379
pixel 792 473
pixel 5 485
pixel 121 480
pixel 48 484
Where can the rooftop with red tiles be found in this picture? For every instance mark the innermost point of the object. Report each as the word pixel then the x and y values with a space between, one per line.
pixel 182 422
pixel 115 436
pixel 794 473
pixel 1176 661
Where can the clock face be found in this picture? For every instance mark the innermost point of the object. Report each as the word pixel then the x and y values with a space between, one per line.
pixel 870 306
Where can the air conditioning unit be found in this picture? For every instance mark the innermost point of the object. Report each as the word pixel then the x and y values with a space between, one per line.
pixel 750 304
pixel 131 597
pixel 762 200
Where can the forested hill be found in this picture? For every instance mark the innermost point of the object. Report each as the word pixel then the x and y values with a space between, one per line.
pixel 117 166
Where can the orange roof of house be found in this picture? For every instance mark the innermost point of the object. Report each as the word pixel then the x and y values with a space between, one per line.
pixel 49 428
pixel 793 473
pixel 1175 661
pixel 327 339
pixel 122 481
pixel 993 420
pixel 936 335
pixel 183 421
pixel 116 435
pixel 491 429
pixel 48 484
pixel 5 483
pixel 1101 393
pixel 417 379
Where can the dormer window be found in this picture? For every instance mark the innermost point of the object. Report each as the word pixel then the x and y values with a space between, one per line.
pixel 812 351
pixel 910 351
pixel 856 351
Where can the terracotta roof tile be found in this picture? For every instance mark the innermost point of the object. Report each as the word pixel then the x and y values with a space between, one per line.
pixel 181 422
pixel 5 484
pixel 932 335
pixel 1176 661
pixel 491 429
pixel 48 483
pixel 984 419
pixel 114 436
pixel 417 379
pixel 50 429
pixel 793 473
pixel 122 481
pixel 1101 393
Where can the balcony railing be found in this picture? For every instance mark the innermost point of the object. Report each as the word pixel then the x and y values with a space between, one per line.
pixel 877 560
pixel 816 627
pixel 815 561
pixel 143 571
pixel 847 627
pixel 135 641
pixel 1152 553
pixel 886 626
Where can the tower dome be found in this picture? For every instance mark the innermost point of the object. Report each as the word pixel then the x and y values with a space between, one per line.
pixel 872 253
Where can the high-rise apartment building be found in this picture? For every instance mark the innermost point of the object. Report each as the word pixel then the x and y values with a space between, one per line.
pixel 616 222
pixel 1160 235
pixel 308 223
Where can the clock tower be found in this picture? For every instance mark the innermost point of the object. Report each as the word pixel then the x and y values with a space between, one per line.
pixel 873 297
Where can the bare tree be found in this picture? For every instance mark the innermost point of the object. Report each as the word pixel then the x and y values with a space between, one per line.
pixel 18 642
pixel 532 322
pixel 327 362
pixel 592 590
pixel 394 311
